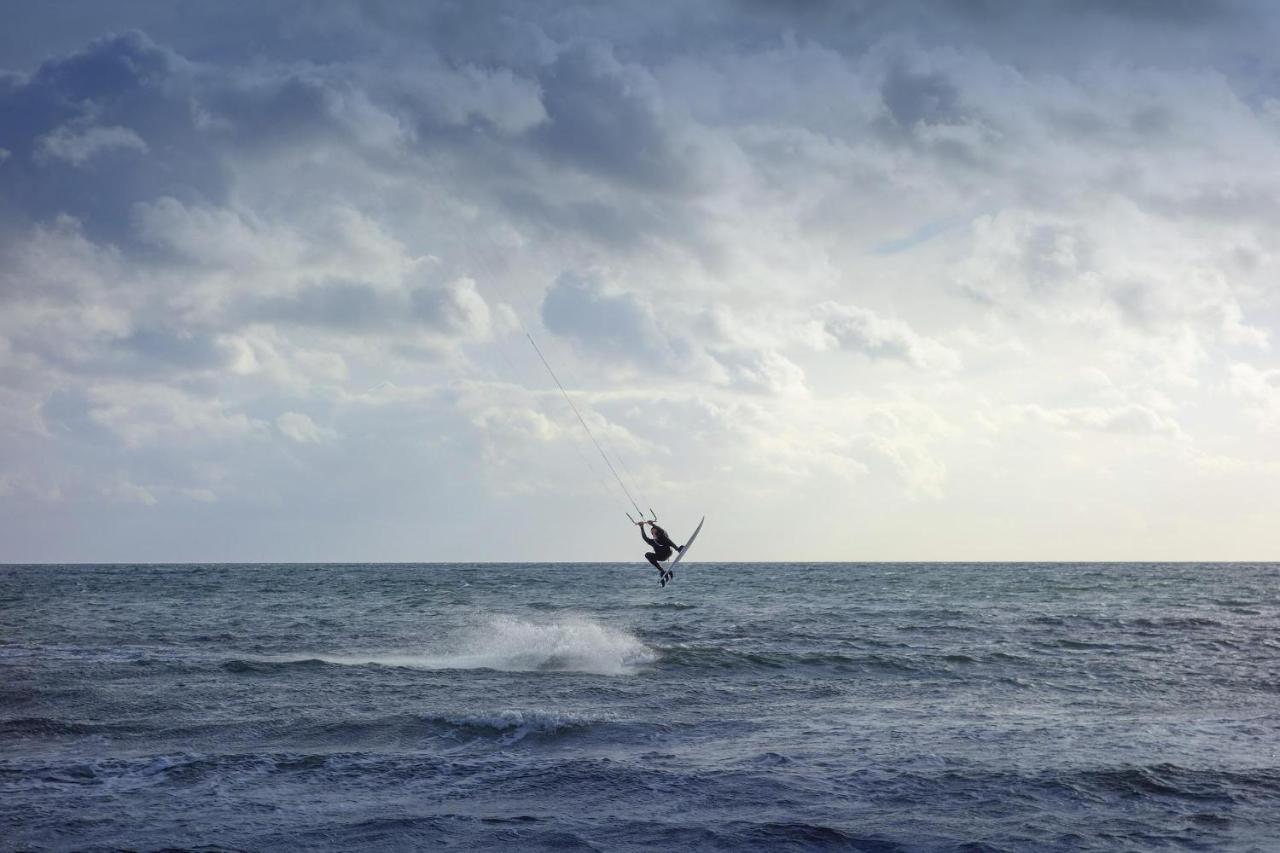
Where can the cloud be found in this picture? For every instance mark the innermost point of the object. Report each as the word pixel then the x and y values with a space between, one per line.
pixel 123 491
pixel 1260 388
pixel 474 96
pixel 79 146
pixel 869 260
pixel 78 130
pixel 610 119
pixel 611 323
pixel 343 305
pixel 213 236
pixel 1131 419
pixel 455 308
pixel 632 332
pixel 920 98
pixel 299 428
pixel 1150 287
pixel 141 415
pixel 762 370
pixel 855 329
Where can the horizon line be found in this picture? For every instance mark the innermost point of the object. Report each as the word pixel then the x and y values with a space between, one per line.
pixel 118 563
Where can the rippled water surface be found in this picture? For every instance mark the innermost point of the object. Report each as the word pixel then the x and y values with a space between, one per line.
pixel 862 707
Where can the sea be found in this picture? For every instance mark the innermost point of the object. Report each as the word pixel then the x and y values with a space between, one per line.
pixel 868 707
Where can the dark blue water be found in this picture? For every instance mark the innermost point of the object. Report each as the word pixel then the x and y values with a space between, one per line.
pixel 883 708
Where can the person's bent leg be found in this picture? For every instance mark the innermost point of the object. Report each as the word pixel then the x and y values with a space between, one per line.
pixel 653 560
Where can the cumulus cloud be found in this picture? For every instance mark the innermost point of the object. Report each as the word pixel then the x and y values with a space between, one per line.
pixel 143 415
pixel 759 369
pixel 455 308
pixel 78 146
pixel 633 332
pixel 610 119
pixel 849 327
pixel 124 491
pixel 78 125
pixel 1260 389
pixel 611 323
pixel 1151 290
pixel 1130 419
pixel 498 98
pixel 299 428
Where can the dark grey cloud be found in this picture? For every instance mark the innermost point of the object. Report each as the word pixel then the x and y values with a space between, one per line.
pixel 158 347
pixel 452 309
pixel 1178 12
pixel 623 224
pixel 92 133
pixel 504 90
pixel 920 97
pixel 612 225
pixel 125 120
pixel 343 305
pixel 285 110
pixel 609 119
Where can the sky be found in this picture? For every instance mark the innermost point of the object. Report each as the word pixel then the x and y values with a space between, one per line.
pixel 965 280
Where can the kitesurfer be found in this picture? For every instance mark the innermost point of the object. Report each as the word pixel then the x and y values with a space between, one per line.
pixel 662 547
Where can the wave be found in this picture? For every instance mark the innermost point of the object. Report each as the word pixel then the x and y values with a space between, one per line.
pixel 804 836
pixel 1172 780
pixel 717 657
pixel 246 666
pixel 189 767
pixel 1180 622
pixel 47 726
pixel 501 643
pixel 1119 625
pixel 375 734
pixel 514 726
pixel 398 731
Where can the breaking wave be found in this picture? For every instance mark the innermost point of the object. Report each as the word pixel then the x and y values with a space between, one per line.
pixel 515 645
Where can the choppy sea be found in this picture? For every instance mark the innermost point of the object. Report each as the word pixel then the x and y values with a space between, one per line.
pixel 896 707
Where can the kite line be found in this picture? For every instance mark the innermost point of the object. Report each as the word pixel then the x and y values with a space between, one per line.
pixel 583 421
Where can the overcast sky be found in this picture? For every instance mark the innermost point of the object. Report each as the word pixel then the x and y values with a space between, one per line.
pixel 859 281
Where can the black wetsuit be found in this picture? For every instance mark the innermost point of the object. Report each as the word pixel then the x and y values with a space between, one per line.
pixel 662 547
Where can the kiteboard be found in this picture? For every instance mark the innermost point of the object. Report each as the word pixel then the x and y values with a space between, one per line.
pixel 666 576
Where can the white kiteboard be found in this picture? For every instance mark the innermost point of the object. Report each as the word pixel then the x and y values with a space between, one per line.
pixel 680 556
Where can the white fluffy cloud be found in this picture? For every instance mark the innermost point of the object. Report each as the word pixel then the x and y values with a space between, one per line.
pixel 78 146
pixel 298 427
pixel 857 329
pixel 1260 390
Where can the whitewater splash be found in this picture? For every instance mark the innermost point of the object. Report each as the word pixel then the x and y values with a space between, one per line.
pixel 575 644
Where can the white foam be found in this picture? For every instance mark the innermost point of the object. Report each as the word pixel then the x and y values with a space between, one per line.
pixel 506 643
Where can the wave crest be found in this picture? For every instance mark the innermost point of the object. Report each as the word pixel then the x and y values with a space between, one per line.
pixel 509 644
pixel 514 726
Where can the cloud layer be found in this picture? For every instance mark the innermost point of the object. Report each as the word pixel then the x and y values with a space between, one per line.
pixel 860 281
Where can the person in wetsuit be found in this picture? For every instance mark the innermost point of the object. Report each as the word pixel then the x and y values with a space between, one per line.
pixel 662 547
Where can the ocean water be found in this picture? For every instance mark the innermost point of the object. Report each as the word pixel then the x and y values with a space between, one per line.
pixel 796 707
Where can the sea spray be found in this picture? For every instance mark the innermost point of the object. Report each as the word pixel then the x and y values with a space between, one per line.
pixel 511 644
